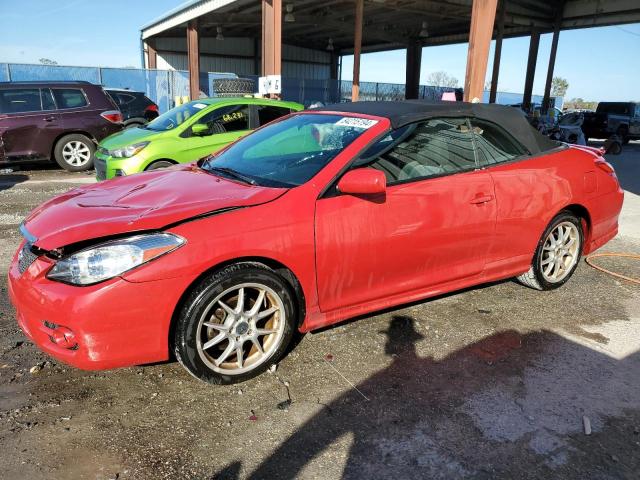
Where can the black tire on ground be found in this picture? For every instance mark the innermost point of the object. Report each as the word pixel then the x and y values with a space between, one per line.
pixel 70 142
pixel 160 164
pixel 534 277
pixel 199 302
pixel 623 133
pixel 227 87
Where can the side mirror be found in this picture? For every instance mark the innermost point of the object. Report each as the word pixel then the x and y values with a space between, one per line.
pixel 200 130
pixel 363 181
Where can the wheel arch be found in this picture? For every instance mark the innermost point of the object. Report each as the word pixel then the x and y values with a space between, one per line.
pixel 66 133
pixel 281 269
pixel 582 213
pixel 146 167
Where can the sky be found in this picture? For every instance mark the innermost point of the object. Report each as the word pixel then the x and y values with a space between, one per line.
pixel 599 63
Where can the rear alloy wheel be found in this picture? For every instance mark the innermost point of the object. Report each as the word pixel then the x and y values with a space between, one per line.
pixel 75 152
pixel 235 324
pixel 557 255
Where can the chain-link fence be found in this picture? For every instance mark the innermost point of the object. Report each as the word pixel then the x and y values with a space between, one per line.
pixel 162 86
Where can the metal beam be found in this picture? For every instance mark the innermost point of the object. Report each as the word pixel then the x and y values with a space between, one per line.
pixel 152 56
pixel 357 47
pixel 552 59
pixel 414 58
pixel 531 70
pixel 482 17
pixel 498 52
pixel 271 37
pixel 193 54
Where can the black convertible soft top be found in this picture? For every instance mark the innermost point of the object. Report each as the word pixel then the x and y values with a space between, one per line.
pixel 402 113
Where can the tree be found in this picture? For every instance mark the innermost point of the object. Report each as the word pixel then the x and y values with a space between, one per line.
pixel 47 61
pixel 559 87
pixel 442 79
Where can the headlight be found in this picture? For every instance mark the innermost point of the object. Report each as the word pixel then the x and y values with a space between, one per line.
pixel 129 151
pixel 110 259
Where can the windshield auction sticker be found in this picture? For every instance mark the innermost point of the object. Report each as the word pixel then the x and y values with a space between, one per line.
pixel 363 123
pixel 199 106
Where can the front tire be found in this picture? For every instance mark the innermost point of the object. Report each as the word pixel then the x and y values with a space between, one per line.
pixel 159 164
pixel 236 323
pixel 557 254
pixel 74 152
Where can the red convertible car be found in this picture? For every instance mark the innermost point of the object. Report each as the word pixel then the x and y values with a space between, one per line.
pixel 315 218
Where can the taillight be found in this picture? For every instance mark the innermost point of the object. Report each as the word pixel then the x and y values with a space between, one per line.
pixel 114 116
pixel 151 108
pixel 605 167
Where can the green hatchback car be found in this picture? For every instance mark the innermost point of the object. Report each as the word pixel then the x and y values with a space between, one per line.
pixel 185 133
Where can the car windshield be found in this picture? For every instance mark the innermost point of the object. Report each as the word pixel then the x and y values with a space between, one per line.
pixel 290 152
pixel 176 116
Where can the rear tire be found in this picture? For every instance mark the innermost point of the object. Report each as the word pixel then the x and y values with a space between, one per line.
pixel 557 254
pixel 74 152
pixel 235 324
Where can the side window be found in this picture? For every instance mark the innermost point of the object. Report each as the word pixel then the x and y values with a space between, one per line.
pixel 268 113
pixel 637 110
pixel 47 99
pixel 69 97
pixel 122 98
pixel 433 148
pixel 494 144
pixel 234 118
pixel 19 100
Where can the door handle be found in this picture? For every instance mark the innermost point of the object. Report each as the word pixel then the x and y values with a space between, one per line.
pixel 49 119
pixel 481 198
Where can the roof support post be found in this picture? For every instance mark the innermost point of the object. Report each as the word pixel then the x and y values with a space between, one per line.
pixel 552 58
pixel 414 59
pixel 483 15
pixel 152 57
pixel 357 48
pixel 271 37
pixel 534 43
pixel 498 52
pixel 193 54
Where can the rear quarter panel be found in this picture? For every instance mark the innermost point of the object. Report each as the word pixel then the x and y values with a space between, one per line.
pixel 531 192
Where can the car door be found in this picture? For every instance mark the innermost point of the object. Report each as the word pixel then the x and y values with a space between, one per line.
pixel 434 225
pixel 225 125
pixel 634 127
pixel 29 123
pixel 522 192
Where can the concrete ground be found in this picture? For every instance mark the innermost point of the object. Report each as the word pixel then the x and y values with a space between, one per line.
pixel 494 382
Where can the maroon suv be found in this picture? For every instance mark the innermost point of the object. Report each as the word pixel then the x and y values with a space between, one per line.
pixel 55 120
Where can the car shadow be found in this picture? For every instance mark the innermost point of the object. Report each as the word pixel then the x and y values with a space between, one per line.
pixel 7 181
pixel 507 406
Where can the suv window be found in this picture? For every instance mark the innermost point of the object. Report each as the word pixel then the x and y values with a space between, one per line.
pixel 122 98
pixel 47 99
pixel 269 113
pixel 233 118
pixel 69 97
pixel 437 147
pixel 18 100
pixel 494 144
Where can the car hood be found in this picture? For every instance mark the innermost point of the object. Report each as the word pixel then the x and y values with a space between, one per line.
pixel 147 201
pixel 128 137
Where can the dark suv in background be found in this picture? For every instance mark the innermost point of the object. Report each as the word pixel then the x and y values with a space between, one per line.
pixel 55 120
pixel 137 109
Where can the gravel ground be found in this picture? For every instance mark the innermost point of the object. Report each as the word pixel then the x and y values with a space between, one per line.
pixel 492 382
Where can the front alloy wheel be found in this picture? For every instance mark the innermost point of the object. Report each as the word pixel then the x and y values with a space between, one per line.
pixel 235 323
pixel 235 339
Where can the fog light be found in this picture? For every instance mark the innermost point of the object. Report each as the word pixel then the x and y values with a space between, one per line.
pixel 120 173
pixel 61 336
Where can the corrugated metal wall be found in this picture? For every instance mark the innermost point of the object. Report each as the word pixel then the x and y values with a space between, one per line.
pixel 236 55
